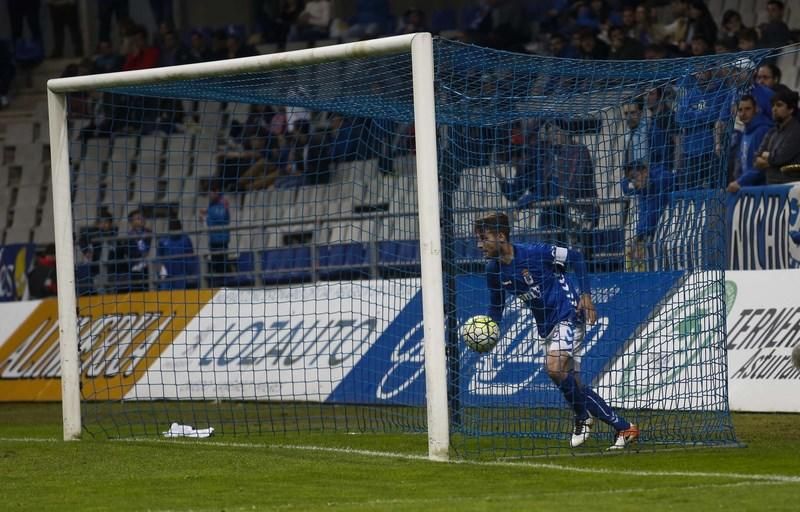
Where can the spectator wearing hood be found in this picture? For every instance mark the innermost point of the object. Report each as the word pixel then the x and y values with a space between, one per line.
pixel 755 127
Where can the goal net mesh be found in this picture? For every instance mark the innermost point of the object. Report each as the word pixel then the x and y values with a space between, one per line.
pixel 248 251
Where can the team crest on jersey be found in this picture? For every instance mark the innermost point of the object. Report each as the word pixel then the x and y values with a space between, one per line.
pixel 527 277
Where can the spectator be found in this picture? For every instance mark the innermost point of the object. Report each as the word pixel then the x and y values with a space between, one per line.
pixel 663 131
pixel 781 144
pixel 590 47
pixel 703 106
pixel 636 137
pixel 312 23
pixel 107 8
pixel 235 44
pixel 42 279
pixel 19 12
pixel 96 244
pixel 655 52
pixel 140 54
pixel 218 217
pixel 7 72
pixel 172 52
pixel 199 50
pixel 162 12
pixel 219 44
pixel 566 176
pixel 130 256
pixel 647 30
pixel 528 170
pixel 774 32
pixel 747 39
pixel 177 261
pixel 623 47
pixel 560 48
pixel 731 28
pixel 372 19
pixel 700 47
pixel 701 25
pixel 651 185
pixel 768 78
pixel 106 60
pixel 497 24
pixel 675 32
pixel 237 162
pixel 317 159
pixel 413 20
pixel 64 13
pixel 755 128
pixel 597 16
pixel 343 134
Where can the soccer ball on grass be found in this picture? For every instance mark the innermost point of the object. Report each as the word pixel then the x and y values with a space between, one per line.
pixel 480 333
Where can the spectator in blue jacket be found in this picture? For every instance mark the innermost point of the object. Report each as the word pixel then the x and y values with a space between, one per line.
pixel 217 216
pixel 704 104
pixel 178 263
pixel 651 184
pixel 755 127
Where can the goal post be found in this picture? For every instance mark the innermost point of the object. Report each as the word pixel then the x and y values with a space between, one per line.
pixel 284 243
pixel 420 47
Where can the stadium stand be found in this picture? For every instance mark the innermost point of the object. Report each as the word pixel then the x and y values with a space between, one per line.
pixel 168 173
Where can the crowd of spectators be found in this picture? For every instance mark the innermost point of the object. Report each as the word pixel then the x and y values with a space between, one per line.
pixel 672 139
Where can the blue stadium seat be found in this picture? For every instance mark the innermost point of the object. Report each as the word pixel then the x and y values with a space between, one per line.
pixel 398 258
pixel 343 261
pixel 245 270
pixel 286 265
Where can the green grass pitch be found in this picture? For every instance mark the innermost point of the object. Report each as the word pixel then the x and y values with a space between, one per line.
pixel 339 472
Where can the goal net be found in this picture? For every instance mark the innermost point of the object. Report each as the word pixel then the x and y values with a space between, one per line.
pixel 279 244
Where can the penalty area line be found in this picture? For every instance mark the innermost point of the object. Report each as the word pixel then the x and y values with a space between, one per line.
pixel 507 464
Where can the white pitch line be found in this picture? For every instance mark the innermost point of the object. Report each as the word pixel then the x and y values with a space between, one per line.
pixel 533 465
pixel 28 440
pixel 423 458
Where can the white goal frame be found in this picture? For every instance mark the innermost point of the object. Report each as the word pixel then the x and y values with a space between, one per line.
pixel 420 46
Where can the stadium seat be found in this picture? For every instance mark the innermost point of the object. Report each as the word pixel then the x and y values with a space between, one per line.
pixel 343 261
pixel 245 270
pixel 398 258
pixel 286 265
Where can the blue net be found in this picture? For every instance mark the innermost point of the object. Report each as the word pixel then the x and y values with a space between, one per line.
pixel 286 200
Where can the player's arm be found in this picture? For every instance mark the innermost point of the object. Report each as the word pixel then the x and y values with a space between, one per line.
pixel 575 261
pixel 496 293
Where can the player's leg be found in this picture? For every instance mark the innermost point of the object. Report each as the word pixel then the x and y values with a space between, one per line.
pixel 598 408
pixel 559 367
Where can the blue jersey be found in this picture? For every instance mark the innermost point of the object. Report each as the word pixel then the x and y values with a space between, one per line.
pixel 536 276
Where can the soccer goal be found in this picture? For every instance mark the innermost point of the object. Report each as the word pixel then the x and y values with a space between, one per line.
pixel 283 243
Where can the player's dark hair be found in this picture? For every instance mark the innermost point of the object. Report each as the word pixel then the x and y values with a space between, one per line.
pixel 494 223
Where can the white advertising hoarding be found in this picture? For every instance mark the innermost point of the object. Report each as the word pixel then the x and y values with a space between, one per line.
pixel 763 327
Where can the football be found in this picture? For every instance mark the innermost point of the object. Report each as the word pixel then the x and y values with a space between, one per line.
pixel 480 333
pixel 796 357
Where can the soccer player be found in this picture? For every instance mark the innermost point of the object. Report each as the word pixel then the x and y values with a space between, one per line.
pixel 535 274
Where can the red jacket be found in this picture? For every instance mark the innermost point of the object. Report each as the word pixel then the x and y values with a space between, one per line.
pixel 145 59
